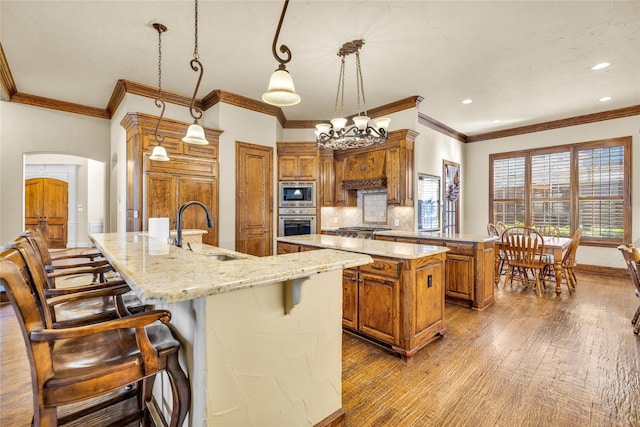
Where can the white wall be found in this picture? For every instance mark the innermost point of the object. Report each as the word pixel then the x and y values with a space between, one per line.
pixel 476 176
pixel 430 149
pixel 25 130
pixel 241 125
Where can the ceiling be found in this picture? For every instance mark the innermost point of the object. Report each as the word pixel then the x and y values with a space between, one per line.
pixel 521 62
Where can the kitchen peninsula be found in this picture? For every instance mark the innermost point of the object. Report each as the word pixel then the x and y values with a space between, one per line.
pixel 398 300
pixel 469 266
pixel 261 338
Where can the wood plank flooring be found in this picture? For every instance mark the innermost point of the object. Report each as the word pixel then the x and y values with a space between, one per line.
pixel 563 361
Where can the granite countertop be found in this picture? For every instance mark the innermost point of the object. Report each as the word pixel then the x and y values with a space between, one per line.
pixel 161 273
pixel 457 237
pixel 365 246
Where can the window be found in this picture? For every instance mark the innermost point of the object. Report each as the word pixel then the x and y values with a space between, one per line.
pixel 428 202
pixel 586 184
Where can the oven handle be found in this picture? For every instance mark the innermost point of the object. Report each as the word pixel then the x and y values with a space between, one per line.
pixel 299 217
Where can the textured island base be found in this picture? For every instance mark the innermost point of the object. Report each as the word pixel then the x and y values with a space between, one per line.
pixel 249 363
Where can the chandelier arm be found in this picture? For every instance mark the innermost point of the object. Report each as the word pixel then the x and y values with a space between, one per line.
pixel 283 47
pixel 196 66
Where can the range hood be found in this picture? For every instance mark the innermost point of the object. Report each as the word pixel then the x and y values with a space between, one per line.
pixel 365 171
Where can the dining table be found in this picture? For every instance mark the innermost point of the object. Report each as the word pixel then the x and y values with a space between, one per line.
pixel 554 246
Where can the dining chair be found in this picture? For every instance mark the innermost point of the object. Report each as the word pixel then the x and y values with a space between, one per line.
pixel 631 257
pixel 524 249
pixel 500 256
pixel 569 260
pixel 547 229
pixel 95 366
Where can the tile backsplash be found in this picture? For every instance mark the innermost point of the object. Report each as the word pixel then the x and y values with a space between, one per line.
pixel 376 208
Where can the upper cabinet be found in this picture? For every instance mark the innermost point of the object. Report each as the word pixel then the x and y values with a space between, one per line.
pixel 389 166
pixel 158 189
pixel 297 161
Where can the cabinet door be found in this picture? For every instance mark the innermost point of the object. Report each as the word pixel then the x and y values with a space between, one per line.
pixel 394 195
pixel 378 308
pixel 429 296
pixel 287 168
pixel 459 276
pixel 350 298
pixel 342 197
pixel 160 197
pixel 327 184
pixel 307 166
pixel 203 190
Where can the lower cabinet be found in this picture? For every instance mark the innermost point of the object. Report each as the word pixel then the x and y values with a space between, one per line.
pixel 398 303
pixel 459 271
pixel 395 302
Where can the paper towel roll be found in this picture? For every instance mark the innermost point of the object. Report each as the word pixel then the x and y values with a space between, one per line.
pixel 159 229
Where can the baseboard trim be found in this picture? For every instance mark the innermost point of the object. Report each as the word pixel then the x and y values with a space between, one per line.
pixel 599 269
pixel 334 420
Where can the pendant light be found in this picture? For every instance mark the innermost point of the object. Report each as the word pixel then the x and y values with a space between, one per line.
pixel 281 91
pixel 159 153
pixel 336 135
pixel 195 132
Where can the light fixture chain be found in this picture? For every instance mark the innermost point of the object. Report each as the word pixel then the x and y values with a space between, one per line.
pixel 159 63
pixel 159 102
pixel 196 55
pixel 340 91
pixel 360 85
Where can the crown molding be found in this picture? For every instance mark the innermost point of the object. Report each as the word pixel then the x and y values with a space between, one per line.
pixel 6 78
pixel 126 86
pixel 441 127
pixel 217 95
pixel 54 104
pixel 556 124
pixel 169 127
pixel 383 110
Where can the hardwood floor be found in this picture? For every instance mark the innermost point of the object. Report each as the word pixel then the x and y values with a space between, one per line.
pixel 563 361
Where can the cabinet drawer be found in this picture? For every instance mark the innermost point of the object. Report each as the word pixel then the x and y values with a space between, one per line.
pixel 384 267
pixel 287 248
pixel 462 248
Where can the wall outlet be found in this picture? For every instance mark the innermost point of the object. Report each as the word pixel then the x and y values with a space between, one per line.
pixel 335 219
pixel 396 222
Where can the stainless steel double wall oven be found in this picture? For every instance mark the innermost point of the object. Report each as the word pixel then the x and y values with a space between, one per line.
pixel 296 208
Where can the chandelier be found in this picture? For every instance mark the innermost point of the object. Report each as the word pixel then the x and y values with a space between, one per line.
pixel 159 153
pixel 364 131
pixel 195 132
pixel 281 91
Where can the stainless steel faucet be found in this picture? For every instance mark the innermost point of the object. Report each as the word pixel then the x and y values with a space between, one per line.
pixel 179 219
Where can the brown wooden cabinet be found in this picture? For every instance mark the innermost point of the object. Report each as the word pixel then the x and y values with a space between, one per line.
pixel 297 161
pixel 158 189
pixel 326 182
pixel 387 166
pixel 398 303
pixel 469 268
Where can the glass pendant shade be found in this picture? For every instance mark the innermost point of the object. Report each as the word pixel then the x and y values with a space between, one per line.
pixel 159 154
pixel 338 124
pixel 195 135
pixel 281 91
pixel 361 122
pixel 382 123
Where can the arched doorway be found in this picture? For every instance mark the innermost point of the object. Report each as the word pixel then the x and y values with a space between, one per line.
pixel 46 208
pixel 86 192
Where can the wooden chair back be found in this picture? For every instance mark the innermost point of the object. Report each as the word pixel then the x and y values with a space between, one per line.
pixel 631 257
pixel 569 258
pixel 550 230
pixel 101 360
pixel 501 228
pixel 492 230
pixel 524 247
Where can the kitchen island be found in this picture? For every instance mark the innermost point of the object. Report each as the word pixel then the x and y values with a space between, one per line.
pixel 398 300
pixel 469 266
pixel 261 338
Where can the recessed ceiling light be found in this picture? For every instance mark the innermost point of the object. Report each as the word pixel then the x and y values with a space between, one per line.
pixel 605 99
pixel 600 66
pixel 495 121
pixel 467 101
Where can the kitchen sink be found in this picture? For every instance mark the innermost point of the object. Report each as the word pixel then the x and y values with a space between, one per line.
pixel 223 257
